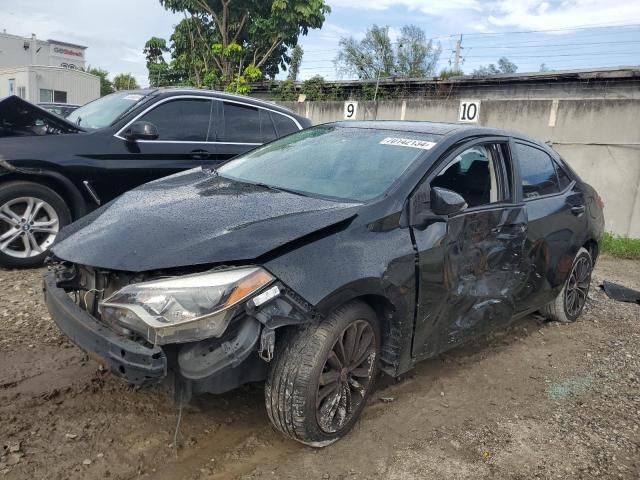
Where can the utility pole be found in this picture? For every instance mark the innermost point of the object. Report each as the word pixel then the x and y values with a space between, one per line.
pixel 456 63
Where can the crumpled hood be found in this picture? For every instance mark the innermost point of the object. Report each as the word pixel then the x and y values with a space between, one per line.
pixel 194 218
pixel 21 118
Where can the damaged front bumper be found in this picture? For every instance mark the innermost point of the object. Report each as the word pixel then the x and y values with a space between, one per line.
pixel 214 365
pixel 136 363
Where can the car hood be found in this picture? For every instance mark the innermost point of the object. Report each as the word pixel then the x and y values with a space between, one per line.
pixel 194 218
pixel 19 118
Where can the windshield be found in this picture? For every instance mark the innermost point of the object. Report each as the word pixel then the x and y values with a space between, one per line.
pixel 340 162
pixel 104 111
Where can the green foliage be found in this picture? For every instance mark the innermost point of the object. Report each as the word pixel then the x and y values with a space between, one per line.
pixel 234 33
pixel 621 247
pixel 313 88
pixel 504 66
pixel 106 86
pixel 240 83
pixel 294 65
pixel 450 72
pixel 125 81
pixel 284 91
pixel 412 56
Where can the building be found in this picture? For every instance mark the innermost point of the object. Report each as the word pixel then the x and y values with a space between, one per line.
pixel 45 71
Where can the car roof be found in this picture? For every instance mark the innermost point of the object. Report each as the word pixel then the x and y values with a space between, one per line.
pixel 437 128
pixel 168 91
pixel 434 128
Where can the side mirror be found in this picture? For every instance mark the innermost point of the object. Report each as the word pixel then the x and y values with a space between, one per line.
pixel 446 202
pixel 141 131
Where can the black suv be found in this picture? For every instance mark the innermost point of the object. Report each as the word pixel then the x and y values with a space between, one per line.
pixel 54 171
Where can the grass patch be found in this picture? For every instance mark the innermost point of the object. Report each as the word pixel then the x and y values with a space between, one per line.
pixel 621 247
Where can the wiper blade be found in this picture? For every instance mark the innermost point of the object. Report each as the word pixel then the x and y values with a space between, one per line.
pixel 279 189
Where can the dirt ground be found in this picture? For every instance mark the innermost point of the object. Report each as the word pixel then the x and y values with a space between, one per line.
pixel 541 400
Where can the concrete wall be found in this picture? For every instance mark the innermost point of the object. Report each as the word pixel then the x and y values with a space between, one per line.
pixel 599 138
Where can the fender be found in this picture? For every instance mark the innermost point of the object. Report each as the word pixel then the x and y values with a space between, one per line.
pixel 78 204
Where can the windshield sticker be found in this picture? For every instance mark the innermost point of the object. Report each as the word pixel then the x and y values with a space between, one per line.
pixel 133 97
pixel 408 142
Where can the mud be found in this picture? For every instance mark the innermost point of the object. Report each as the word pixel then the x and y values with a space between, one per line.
pixel 539 400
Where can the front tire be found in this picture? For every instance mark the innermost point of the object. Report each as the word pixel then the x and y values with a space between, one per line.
pixel 322 376
pixel 568 305
pixel 31 216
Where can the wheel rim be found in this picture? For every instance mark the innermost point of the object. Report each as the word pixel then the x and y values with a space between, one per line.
pixel 28 227
pixel 346 376
pixel 578 287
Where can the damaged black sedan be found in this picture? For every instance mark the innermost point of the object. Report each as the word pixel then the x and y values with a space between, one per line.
pixel 319 259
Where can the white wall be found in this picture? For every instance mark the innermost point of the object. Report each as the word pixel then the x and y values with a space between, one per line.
pixel 81 87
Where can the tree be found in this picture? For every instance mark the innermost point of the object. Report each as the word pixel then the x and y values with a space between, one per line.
pixel 375 54
pixel 125 81
pixel 154 51
pixel 416 56
pixel 543 67
pixel 106 87
pixel 504 66
pixel 294 65
pixel 241 37
pixel 368 58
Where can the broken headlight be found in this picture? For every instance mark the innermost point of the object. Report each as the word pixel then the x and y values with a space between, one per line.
pixel 183 309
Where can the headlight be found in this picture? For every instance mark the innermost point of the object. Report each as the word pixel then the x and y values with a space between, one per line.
pixel 183 309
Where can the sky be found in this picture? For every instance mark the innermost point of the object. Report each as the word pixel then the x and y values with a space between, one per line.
pixel 116 31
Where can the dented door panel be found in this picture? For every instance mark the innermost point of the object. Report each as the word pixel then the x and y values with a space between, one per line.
pixel 472 269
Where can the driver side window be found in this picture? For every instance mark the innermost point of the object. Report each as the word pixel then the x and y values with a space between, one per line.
pixel 475 175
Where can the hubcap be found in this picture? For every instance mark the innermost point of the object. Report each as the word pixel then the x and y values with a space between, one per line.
pixel 578 287
pixel 346 376
pixel 28 227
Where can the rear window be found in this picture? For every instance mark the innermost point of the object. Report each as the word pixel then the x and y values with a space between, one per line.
pixel 284 125
pixel 538 172
pixel 246 124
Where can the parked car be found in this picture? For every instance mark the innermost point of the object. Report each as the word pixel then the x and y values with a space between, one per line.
pixel 61 109
pixel 323 257
pixel 54 171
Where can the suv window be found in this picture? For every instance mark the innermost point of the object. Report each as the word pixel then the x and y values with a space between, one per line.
pixel 537 171
pixel 284 125
pixel 474 175
pixel 185 120
pixel 246 124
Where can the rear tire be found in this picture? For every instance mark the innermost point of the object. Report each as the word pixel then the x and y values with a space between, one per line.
pixel 570 302
pixel 311 394
pixel 31 216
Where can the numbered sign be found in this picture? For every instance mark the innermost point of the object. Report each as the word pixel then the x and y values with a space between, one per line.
pixel 469 111
pixel 350 110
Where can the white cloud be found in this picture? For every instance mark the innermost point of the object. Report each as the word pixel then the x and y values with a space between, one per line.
pixel 114 32
pixel 543 15
pixel 432 7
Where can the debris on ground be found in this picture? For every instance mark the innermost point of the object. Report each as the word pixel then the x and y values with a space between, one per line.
pixel 539 400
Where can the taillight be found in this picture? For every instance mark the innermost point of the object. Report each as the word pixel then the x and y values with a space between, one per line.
pixel 600 202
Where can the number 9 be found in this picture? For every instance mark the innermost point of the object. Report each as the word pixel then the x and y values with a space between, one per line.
pixel 350 110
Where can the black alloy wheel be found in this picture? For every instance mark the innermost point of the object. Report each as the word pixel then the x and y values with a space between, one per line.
pixel 346 376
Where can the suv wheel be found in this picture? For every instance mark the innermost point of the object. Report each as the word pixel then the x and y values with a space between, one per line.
pixel 321 378
pixel 31 215
pixel 569 304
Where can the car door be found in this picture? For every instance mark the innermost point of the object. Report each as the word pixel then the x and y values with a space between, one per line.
pixel 471 267
pixel 184 125
pixel 557 221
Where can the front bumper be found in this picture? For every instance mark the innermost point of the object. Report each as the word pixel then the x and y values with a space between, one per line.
pixel 134 362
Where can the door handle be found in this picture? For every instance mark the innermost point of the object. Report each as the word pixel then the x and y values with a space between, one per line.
pixel 200 154
pixel 578 209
